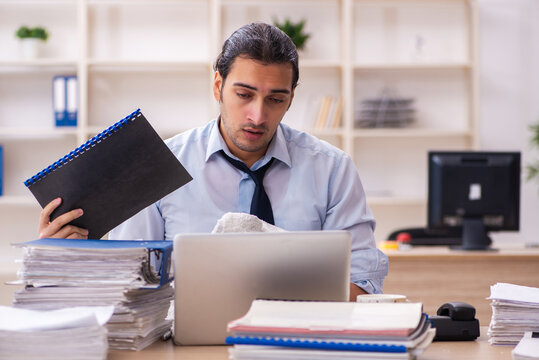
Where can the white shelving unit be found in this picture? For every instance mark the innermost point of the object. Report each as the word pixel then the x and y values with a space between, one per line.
pixel 158 55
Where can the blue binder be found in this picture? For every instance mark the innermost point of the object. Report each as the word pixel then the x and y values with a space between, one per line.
pixel 161 248
pixel 65 100
pixel 312 344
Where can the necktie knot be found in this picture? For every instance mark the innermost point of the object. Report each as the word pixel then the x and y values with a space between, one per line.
pixel 260 204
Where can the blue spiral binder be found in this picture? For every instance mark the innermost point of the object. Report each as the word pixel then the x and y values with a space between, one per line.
pixel 315 344
pixel 84 147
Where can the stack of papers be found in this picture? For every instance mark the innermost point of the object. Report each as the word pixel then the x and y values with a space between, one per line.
pixel 74 333
pixel 515 310
pixel 60 274
pixel 330 330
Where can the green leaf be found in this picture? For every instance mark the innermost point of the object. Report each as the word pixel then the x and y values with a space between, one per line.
pixel 295 31
pixel 535 134
pixel 533 171
pixel 24 32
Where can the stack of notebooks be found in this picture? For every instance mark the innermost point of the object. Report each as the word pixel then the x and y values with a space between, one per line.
pixel 515 311
pixel 74 333
pixel 132 276
pixel 274 329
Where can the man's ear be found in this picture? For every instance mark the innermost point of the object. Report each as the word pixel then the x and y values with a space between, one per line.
pixel 217 85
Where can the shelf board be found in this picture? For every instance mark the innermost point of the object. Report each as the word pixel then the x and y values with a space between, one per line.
pixel 22 200
pixel 38 63
pixel 149 65
pixel 407 132
pixel 413 66
pixel 395 200
pixel 36 132
pixel 141 2
pixel 164 133
pixel 38 2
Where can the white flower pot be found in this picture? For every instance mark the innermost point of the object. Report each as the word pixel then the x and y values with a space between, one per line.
pixel 30 48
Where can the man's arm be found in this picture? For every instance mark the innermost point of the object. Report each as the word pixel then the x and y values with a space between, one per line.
pixel 355 291
pixel 348 210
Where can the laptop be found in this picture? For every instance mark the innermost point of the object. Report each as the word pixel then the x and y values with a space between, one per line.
pixel 217 276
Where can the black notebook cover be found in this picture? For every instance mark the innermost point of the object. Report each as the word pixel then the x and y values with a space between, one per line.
pixel 112 176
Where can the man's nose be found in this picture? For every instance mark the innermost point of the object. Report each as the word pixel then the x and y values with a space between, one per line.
pixel 256 112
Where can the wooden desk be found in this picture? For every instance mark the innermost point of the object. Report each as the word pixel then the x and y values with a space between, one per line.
pixel 435 275
pixel 463 350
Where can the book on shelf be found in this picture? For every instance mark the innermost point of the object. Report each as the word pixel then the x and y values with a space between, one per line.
pixel 329 113
pixel 281 329
pixel 65 100
pixel 132 276
pixel 112 176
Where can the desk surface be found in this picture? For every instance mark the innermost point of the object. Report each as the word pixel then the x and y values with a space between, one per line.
pixel 502 251
pixel 477 350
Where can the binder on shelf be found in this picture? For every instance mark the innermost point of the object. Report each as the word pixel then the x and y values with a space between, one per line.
pixel 65 100
pixel 150 278
pixel 112 176
pixel 72 100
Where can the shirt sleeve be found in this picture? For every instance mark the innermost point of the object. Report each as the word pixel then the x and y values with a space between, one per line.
pixel 348 210
pixel 148 224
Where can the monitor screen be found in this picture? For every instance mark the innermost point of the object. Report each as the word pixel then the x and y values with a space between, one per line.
pixel 476 192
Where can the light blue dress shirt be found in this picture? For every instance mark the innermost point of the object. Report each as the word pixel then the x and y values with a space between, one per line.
pixel 311 185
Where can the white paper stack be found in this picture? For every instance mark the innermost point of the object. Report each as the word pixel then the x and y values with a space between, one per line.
pixel 74 333
pixel 59 277
pixel 330 330
pixel 515 310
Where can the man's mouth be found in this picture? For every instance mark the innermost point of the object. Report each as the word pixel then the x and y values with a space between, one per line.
pixel 253 134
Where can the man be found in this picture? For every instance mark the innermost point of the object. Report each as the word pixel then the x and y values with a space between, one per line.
pixel 307 184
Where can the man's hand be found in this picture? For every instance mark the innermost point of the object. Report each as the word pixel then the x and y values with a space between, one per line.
pixel 355 291
pixel 58 228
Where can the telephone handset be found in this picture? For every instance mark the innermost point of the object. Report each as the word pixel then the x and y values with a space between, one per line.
pixel 455 321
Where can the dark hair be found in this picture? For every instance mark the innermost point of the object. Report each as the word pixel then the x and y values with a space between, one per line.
pixel 258 41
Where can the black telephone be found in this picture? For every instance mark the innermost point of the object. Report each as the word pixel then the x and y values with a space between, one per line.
pixel 455 322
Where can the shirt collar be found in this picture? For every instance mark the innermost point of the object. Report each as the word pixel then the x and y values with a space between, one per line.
pixel 277 148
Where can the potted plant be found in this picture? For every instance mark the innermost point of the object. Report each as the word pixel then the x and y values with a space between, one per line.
pixel 31 41
pixel 295 31
pixel 533 168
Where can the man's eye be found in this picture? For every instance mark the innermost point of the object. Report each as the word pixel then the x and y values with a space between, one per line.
pixel 276 100
pixel 243 95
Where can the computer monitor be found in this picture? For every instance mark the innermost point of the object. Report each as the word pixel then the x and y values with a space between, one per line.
pixel 474 191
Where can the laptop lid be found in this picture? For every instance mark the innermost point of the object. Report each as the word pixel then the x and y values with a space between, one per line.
pixel 217 276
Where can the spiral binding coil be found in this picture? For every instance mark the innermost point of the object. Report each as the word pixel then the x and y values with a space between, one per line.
pixel 84 147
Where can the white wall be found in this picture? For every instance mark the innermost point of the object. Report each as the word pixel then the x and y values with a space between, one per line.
pixel 509 94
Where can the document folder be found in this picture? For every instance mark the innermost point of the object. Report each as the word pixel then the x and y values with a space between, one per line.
pixel 112 176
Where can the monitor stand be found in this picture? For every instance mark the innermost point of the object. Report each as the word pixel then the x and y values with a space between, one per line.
pixel 474 236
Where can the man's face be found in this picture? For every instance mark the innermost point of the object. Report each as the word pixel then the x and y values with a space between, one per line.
pixel 254 99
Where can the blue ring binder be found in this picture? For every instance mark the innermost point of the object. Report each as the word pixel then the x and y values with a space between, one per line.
pixel 84 147
pixel 313 344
